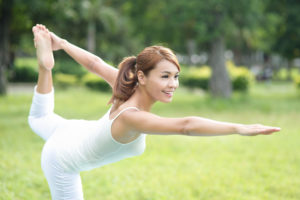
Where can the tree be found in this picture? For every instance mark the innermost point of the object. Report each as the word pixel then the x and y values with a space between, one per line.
pixel 89 14
pixel 5 19
pixel 81 21
pixel 287 40
pixel 209 24
pixel 16 20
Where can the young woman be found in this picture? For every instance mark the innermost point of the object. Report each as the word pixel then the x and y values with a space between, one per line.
pixel 77 145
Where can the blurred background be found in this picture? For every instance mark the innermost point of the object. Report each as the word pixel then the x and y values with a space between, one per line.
pixel 238 42
pixel 240 62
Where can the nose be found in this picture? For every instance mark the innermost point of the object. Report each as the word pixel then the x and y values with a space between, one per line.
pixel 173 83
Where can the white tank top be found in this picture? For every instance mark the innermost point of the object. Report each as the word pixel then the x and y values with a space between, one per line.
pixel 86 144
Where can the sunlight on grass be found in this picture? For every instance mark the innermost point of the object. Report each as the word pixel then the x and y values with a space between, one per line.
pixel 172 167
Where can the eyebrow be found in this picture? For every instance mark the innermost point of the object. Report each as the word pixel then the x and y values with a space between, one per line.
pixel 168 72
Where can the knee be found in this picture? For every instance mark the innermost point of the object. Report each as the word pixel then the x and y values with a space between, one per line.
pixel 36 126
pixel 31 122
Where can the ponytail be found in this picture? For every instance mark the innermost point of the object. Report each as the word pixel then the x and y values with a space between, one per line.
pixel 126 82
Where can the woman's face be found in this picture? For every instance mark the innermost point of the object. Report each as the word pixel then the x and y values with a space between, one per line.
pixel 162 81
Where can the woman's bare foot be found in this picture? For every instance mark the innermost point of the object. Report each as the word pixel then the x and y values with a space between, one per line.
pixel 42 42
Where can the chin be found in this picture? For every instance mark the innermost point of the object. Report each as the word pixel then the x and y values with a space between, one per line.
pixel 166 101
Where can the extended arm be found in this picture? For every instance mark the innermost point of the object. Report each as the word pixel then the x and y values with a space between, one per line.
pixel 198 126
pixel 90 61
pixel 193 126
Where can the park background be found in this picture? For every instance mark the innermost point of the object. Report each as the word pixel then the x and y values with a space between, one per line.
pixel 240 63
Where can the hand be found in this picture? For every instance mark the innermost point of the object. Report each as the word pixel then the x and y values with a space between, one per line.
pixel 256 129
pixel 56 42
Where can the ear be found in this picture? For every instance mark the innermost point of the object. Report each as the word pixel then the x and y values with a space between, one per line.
pixel 141 77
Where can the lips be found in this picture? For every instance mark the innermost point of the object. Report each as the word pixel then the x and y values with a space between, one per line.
pixel 169 94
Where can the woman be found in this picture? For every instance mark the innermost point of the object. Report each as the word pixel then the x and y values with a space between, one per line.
pixel 77 145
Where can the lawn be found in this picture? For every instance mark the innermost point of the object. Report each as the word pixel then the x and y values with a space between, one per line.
pixel 172 167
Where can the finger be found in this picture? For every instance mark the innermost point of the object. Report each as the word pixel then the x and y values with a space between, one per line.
pixel 275 129
pixel 271 127
pixel 268 131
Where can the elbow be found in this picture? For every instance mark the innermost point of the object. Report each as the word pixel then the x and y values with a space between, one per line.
pixel 186 126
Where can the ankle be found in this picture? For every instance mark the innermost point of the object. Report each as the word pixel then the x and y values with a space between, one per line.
pixel 43 69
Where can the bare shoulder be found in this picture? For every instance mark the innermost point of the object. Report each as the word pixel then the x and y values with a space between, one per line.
pixel 146 122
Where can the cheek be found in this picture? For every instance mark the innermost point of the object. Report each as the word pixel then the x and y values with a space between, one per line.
pixel 156 87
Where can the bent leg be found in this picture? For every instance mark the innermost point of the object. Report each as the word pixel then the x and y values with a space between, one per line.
pixel 42 42
pixel 42 119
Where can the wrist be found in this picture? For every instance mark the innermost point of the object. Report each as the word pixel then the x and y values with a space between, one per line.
pixel 238 128
pixel 63 44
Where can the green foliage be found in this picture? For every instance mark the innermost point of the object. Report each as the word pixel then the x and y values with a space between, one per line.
pixel 286 38
pixel 241 77
pixel 68 66
pixel 24 70
pixel 198 77
pixel 296 79
pixel 65 80
pixel 95 82
pixel 283 74
pixel 158 21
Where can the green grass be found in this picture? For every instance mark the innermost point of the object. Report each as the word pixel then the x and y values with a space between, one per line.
pixel 172 167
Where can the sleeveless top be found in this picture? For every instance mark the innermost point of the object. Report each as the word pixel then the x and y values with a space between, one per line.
pixel 82 145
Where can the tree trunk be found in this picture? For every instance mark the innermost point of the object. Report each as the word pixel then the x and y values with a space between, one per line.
pixel 91 36
pixel 191 49
pixel 5 18
pixel 289 70
pixel 237 57
pixel 220 84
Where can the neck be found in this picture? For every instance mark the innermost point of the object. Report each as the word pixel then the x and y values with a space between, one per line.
pixel 141 100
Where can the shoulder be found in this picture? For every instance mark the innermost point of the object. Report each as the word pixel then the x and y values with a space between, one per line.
pixel 132 116
pixel 147 122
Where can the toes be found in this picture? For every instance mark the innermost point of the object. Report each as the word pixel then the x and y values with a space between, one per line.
pixel 40 27
pixel 35 29
pixel 43 27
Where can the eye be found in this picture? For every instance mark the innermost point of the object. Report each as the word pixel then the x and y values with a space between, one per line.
pixel 177 76
pixel 165 76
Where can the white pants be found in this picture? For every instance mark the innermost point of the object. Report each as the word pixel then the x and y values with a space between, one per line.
pixel 43 121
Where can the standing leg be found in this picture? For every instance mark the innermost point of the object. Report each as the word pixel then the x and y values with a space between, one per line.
pixel 63 185
pixel 42 119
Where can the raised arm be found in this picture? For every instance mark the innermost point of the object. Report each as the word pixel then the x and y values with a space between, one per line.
pixel 149 123
pixel 90 61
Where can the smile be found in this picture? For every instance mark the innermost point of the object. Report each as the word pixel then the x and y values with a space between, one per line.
pixel 169 94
